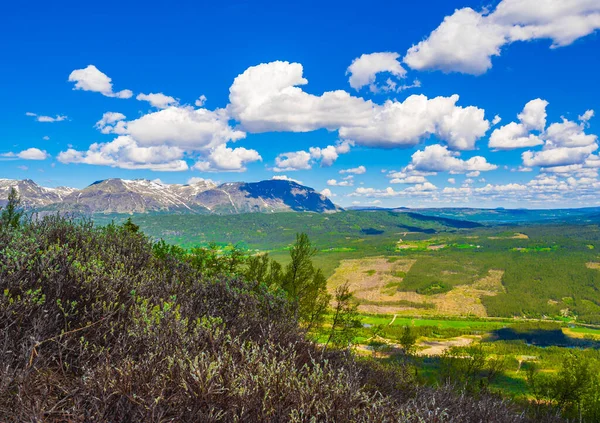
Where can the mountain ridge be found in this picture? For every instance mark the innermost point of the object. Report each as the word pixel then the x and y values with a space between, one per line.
pixel 129 196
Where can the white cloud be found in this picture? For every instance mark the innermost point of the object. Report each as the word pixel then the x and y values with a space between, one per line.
pixel 425 189
pixel 511 136
pixel 345 183
pixel 330 154
pixel 224 159
pixel 568 134
pixel 285 178
pixel 267 98
pixel 302 160
pixel 47 119
pixel 411 179
pixel 466 40
pixel 201 101
pixel 405 124
pixel 327 193
pixel 437 158
pixel 517 135
pixel 197 180
pixel 364 69
pixel 125 153
pixel 28 154
pixel 112 123
pixel 184 127
pixel 474 174
pixel 496 120
pixel 415 84
pixel 45 137
pixel 91 79
pixel 158 100
pixel 452 181
pixel 586 116
pixel 559 156
pixel 298 160
pixel 354 170
pixel 534 114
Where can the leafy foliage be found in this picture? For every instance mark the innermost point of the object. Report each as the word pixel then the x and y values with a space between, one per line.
pixel 11 214
pixel 100 324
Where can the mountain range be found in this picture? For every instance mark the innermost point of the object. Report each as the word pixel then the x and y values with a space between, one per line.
pixel 145 196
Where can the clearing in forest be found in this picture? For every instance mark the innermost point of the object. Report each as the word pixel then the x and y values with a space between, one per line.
pixel 376 283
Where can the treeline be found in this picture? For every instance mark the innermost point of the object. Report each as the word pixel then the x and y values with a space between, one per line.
pixel 101 324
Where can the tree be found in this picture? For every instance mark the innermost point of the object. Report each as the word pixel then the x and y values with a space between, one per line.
pixel 129 226
pixel 408 340
pixel 306 287
pixel 572 382
pixel 262 269
pixel 345 318
pixel 11 214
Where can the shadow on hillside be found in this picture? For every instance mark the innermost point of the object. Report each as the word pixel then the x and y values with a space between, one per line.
pixel 542 338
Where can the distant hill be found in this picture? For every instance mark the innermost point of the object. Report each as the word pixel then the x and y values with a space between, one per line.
pixel 500 215
pixel 124 196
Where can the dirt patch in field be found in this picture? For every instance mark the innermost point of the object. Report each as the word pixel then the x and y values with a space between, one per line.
pixel 375 283
pixel 593 265
pixel 517 235
pixel 436 247
pixel 431 347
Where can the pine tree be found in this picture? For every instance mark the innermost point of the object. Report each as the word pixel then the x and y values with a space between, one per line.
pixel 11 214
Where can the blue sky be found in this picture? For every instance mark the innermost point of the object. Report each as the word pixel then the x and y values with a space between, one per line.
pixel 401 94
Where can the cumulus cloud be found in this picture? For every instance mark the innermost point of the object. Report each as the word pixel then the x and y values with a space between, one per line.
pixel 568 134
pixel 303 160
pixel 296 160
pixel 354 170
pixel 47 119
pixel 466 40
pixel 364 69
pixel 225 159
pixel 330 154
pixel 409 179
pixel 437 158
pixel 511 136
pixel 184 127
pixel 28 154
pixel 192 130
pixel 124 152
pixel 201 101
pixel 518 135
pixel 267 97
pixel 285 178
pixel 197 180
pixel 424 189
pixel 344 183
pixel 565 143
pixel 112 123
pixel 406 124
pixel 558 156
pixel 158 100
pixel 496 120
pixel 91 79
pixel 327 193
pixel 534 115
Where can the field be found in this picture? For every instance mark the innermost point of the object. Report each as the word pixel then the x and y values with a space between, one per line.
pixel 423 265
pixel 524 291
